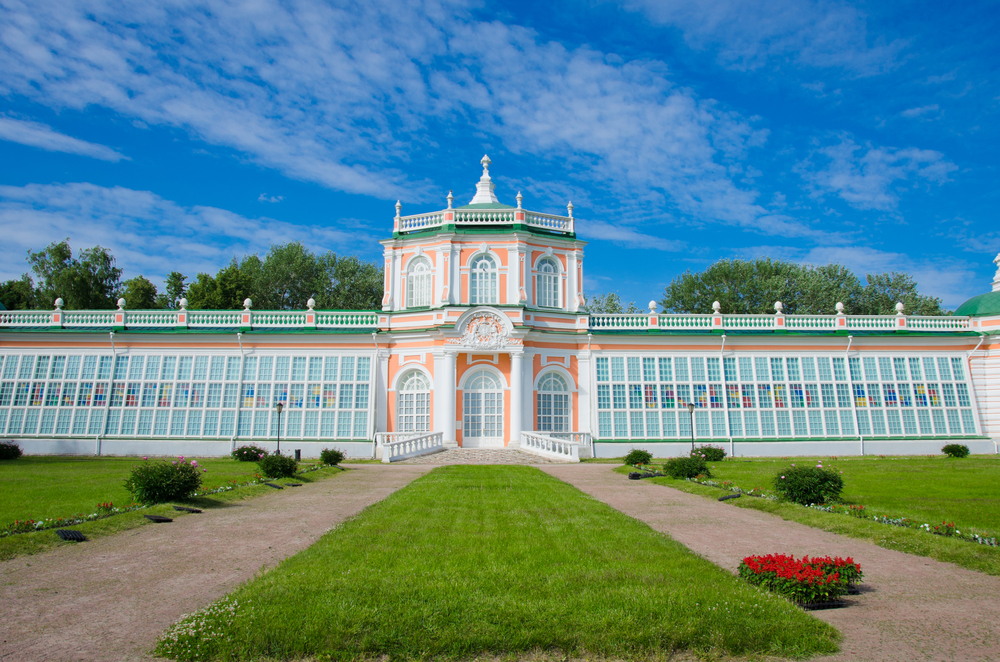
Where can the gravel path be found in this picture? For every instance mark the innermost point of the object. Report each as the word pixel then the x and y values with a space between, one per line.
pixel 110 598
pixel 912 609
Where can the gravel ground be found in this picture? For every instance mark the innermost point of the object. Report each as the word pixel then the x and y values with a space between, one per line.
pixel 110 598
pixel 911 609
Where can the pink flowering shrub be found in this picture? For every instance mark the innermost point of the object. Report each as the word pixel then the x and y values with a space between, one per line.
pixel 248 453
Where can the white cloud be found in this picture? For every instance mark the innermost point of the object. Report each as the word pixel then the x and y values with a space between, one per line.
pixel 922 110
pixel 748 34
pixel 146 233
pixel 264 197
pixel 45 137
pixel 350 97
pixel 866 176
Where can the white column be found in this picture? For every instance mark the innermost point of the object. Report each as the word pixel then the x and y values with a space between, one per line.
pixel 516 397
pixel 572 285
pixel 583 391
pixel 444 395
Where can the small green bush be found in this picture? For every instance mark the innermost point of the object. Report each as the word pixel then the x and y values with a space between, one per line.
pixel 710 453
pixel 9 450
pixel 808 485
pixel 956 450
pixel 278 466
pixel 686 467
pixel 249 453
pixel 156 482
pixel 637 456
pixel 331 456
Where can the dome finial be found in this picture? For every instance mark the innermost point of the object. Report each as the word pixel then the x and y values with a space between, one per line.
pixel 485 186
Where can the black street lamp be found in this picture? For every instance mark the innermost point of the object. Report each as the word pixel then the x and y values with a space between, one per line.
pixel 279 407
pixel 691 412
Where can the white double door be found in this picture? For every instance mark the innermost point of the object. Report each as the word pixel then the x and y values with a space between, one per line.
pixel 482 411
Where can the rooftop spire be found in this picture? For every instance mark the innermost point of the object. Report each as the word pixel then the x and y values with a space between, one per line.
pixel 484 188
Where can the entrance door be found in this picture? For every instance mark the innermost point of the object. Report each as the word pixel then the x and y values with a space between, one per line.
pixel 482 410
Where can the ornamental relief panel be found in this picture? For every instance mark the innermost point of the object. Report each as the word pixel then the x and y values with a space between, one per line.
pixel 486 330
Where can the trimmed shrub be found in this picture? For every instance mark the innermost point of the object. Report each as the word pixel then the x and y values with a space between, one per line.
pixel 686 467
pixel 9 450
pixel 637 456
pixel 156 482
pixel 956 450
pixel 710 453
pixel 808 485
pixel 278 466
pixel 249 453
pixel 331 456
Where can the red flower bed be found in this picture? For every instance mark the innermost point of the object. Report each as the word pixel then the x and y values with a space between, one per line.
pixel 805 581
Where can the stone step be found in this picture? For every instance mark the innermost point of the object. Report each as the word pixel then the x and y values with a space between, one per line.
pixel 478 456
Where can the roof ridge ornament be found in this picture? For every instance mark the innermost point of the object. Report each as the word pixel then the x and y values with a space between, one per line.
pixel 485 186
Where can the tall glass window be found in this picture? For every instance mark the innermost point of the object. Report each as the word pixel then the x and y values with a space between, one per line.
pixel 548 283
pixel 419 280
pixel 413 403
pixel 553 404
pixel 483 280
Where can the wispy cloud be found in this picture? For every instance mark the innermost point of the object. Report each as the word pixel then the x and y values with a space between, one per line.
pixel 264 197
pixel 866 176
pixel 45 137
pixel 922 110
pixel 146 233
pixel 336 96
pixel 749 34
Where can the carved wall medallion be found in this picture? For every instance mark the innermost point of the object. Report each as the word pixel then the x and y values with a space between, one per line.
pixel 485 331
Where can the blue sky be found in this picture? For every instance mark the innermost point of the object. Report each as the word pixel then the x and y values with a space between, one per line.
pixel 180 134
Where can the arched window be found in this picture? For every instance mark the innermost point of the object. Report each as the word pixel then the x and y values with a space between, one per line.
pixel 548 283
pixel 413 403
pixel 482 410
pixel 418 283
pixel 483 280
pixel 553 404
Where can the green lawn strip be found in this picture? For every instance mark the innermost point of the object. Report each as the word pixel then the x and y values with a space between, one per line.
pixel 42 486
pixel 32 543
pixel 925 489
pixel 494 560
pixel 965 554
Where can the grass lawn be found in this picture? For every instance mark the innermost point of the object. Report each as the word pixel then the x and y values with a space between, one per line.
pixel 37 487
pixel 930 489
pixel 494 560
pixel 925 489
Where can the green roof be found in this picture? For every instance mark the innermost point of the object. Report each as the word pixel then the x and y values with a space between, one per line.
pixel 487 205
pixel 980 306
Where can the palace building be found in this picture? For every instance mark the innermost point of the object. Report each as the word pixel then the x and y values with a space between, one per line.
pixel 484 340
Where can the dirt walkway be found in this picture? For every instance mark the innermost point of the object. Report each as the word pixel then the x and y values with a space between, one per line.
pixel 109 599
pixel 914 608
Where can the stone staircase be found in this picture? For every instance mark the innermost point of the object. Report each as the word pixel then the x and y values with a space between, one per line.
pixel 478 456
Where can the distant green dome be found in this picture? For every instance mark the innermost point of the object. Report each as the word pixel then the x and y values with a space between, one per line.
pixel 981 306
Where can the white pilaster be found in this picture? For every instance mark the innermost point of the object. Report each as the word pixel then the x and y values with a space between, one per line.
pixel 516 397
pixel 444 395
pixel 572 284
pixel 382 392
pixel 584 389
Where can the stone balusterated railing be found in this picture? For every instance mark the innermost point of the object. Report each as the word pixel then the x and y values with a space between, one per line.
pixel 534 219
pixel 883 323
pixel 550 447
pixel 395 446
pixel 190 319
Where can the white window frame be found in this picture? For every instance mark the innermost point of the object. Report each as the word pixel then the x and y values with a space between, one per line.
pixel 547 284
pixel 546 398
pixel 419 283
pixel 413 403
pixel 483 281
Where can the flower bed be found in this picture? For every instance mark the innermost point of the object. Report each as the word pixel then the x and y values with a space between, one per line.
pixel 804 581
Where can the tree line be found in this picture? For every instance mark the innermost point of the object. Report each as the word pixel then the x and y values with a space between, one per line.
pixel 284 279
pixel 744 287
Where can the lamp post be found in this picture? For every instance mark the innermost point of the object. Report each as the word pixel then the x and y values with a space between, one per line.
pixel 691 412
pixel 279 407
